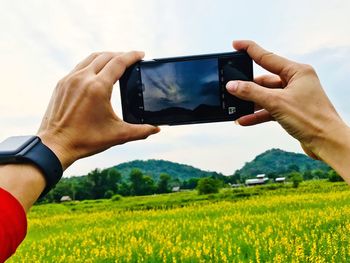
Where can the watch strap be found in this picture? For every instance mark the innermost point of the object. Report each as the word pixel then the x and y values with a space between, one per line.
pixel 48 163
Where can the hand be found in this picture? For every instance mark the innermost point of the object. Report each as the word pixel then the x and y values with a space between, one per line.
pixel 80 120
pixel 293 96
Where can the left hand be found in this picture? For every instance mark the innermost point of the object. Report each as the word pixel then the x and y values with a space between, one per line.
pixel 80 120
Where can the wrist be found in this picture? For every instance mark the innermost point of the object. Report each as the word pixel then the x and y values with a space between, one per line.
pixel 60 148
pixel 334 148
pixel 18 178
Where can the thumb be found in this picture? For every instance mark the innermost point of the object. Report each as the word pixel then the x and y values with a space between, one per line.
pixel 251 91
pixel 141 131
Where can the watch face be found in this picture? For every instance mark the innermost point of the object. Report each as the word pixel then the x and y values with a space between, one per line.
pixel 15 144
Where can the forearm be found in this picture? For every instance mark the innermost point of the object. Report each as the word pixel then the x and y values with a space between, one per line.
pixel 24 181
pixel 335 150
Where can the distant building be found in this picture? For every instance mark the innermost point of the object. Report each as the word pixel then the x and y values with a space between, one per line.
pixel 280 180
pixel 65 198
pixel 260 179
pixel 235 185
pixel 260 176
pixel 176 189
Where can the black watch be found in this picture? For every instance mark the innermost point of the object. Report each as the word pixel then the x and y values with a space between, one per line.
pixel 30 149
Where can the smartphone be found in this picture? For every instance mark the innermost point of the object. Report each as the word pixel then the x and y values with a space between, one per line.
pixel 185 90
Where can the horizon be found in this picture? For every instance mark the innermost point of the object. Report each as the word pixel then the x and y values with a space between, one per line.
pixel 145 160
pixel 42 41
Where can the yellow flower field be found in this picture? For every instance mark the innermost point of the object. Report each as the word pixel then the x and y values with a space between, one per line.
pixel 282 227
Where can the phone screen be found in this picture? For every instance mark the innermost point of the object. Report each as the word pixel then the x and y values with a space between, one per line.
pixel 180 85
pixel 183 90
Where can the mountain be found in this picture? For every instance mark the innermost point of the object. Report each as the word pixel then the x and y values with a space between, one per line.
pixel 280 162
pixel 156 167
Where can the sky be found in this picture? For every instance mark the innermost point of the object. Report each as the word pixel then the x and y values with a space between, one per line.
pixel 41 41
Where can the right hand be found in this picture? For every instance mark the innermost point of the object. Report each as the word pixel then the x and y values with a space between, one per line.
pixel 292 95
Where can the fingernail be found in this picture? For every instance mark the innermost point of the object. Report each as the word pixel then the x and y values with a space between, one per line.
pixel 232 86
pixel 237 122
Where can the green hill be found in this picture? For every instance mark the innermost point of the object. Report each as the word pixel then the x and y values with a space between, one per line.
pixel 156 167
pixel 280 162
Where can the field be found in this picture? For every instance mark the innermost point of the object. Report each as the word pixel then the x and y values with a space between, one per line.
pixel 262 224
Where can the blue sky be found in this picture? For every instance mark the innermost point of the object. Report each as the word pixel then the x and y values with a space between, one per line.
pixel 41 41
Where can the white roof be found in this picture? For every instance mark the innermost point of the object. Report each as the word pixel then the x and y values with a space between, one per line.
pixel 279 179
pixel 66 198
pixel 256 181
pixel 260 176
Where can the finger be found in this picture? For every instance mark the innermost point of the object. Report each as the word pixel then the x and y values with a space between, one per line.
pixel 116 66
pixel 86 61
pixel 268 60
pixel 100 61
pixel 269 81
pixel 251 91
pixel 255 118
pixel 139 131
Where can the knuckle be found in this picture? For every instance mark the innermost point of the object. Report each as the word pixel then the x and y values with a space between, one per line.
pixel 96 88
pixel 119 61
pixel 307 69
pixel 244 88
pixel 263 57
pixel 288 71
pixel 95 54
pixel 73 80
pixel 251 42
pixel 102 83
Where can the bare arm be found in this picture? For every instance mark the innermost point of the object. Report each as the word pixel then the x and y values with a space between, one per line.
pixel 294 97
pixel 79 122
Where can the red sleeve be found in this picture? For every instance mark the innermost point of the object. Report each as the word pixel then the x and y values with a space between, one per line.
pixel 13 224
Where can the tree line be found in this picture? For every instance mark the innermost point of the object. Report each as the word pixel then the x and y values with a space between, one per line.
pixel 109 182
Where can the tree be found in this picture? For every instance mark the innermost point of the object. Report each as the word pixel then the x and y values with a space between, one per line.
pixel 319 174
pixel 148 186
pixel 163 184
pixel 272 175
pixel 296 178
pixel 190 184
pixel 113 177
pixel 102 181
pixel 124 189
pixel 64 187
pixel 333 176
pixel 174 182
pixel 140 184
pixel 237 178
pixel 208 185
pixel 136 179
pixel 307 175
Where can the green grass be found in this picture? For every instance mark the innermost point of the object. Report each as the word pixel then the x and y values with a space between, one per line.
pixel 270 223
